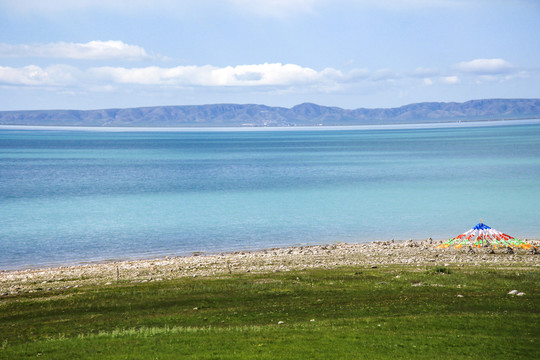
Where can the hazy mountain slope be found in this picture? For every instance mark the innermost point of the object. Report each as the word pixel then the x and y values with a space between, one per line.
pixel 261 115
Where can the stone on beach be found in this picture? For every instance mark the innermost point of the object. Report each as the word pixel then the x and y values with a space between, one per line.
pixel 360 255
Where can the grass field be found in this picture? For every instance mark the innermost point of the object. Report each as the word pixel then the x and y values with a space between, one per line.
pixel 395 312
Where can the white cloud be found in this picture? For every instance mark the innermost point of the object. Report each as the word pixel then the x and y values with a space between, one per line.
pixel 275 74
pixel 523 74
pixel 28 75
pixel 450 80
pixel 485 67
pixel 32 75
pixel 264 78
pixel 92 50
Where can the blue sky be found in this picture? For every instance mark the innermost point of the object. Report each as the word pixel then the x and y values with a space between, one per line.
pixel 93 54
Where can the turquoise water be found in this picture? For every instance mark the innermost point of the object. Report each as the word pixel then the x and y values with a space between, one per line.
pixel 73 196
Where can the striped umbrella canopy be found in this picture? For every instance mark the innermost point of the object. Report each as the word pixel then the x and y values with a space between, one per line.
pixel 483 235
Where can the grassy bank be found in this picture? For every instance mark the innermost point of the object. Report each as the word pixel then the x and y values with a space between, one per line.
pixel 390 312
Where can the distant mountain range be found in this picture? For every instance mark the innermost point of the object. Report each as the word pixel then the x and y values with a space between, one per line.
pixel 306 114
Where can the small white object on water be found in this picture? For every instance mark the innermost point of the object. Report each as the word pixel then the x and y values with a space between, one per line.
pixel 520 294
pixel 280 322
pixel 459 295
pixel 513 292
pixel 312 320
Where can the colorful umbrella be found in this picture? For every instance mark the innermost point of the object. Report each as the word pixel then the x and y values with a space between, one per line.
pixel 483 235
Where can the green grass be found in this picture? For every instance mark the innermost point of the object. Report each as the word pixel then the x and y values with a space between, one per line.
pixel 347 313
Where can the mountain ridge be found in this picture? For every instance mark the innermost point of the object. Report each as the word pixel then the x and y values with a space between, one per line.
pixel 305 114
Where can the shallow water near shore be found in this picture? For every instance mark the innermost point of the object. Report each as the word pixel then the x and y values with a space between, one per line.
pixel 68 196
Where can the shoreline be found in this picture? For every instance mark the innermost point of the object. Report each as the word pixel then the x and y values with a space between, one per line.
pixel 399 126
pixel 373 254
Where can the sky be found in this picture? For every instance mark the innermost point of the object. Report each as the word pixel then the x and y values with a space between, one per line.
pixel 97 54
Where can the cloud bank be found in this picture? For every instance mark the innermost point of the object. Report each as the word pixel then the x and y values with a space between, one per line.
pixel 275 74
pixel 93 50
pixel 485 67
pixel 271 75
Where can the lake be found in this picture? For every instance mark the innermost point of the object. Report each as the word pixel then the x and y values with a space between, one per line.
pixel 69 197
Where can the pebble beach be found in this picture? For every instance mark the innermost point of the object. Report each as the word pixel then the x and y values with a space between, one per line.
pixel 376 254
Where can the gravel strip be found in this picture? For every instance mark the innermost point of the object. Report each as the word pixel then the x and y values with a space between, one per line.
pixel 381 253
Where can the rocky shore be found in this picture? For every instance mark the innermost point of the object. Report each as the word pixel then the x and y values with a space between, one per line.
pixel 382 253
